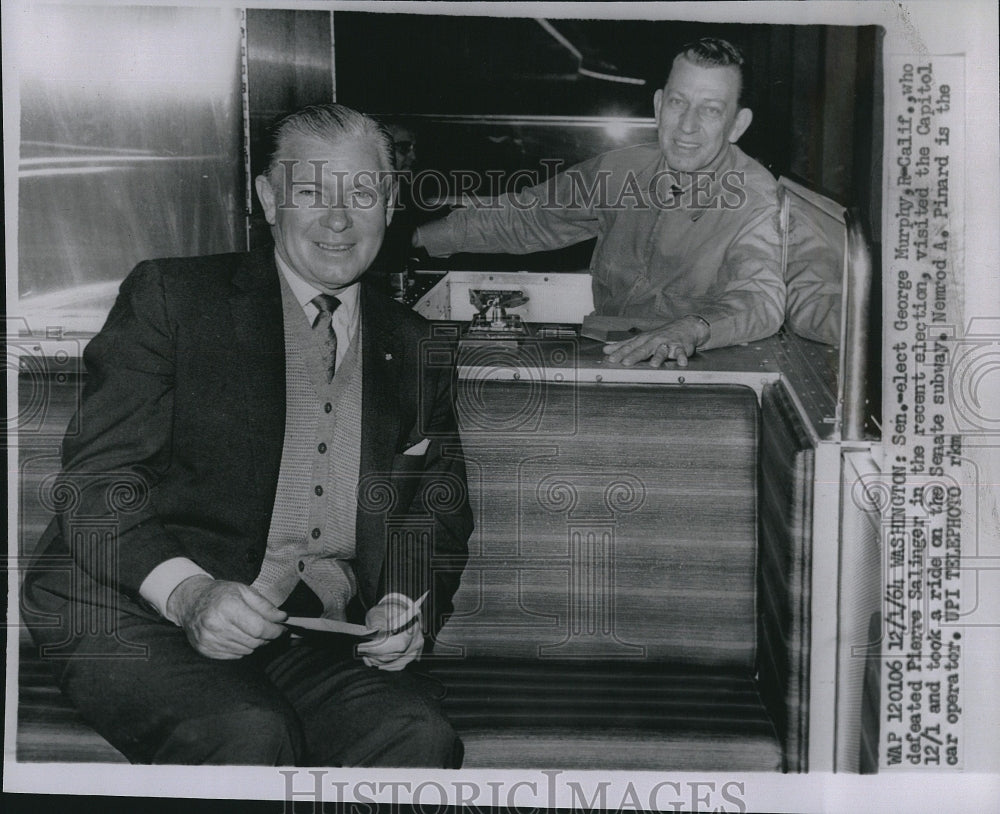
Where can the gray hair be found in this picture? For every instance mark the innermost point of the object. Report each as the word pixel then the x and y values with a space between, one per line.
pixel 331 123
pixel 716 52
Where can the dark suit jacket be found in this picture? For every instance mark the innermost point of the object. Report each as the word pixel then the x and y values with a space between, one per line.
pixel 179 440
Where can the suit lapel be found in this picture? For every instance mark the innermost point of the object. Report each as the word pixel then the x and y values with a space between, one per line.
pixel 255 309
pixel 382 355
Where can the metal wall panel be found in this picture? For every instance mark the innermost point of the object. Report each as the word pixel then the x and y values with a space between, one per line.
pixel 131 128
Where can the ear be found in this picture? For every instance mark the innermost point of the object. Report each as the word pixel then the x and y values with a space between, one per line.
pixel 266 194
pixel 740 124
pixel 657 101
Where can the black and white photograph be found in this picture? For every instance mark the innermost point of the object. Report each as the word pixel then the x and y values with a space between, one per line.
pixel 502 406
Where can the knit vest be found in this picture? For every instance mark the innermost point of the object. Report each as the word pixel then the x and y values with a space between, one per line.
pixel 312 533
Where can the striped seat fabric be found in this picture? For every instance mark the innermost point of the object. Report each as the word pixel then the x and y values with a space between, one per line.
pixel 607 715
pixel 610 591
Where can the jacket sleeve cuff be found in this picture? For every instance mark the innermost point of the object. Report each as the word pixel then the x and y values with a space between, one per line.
pixel 437 237
pixel 721 328
pixel 161 581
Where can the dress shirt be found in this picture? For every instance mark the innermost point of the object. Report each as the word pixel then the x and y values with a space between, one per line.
pixel 345 319
pixel 165 577
pixel 668 244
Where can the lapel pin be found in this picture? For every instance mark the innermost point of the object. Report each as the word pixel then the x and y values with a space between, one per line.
pixel 388 357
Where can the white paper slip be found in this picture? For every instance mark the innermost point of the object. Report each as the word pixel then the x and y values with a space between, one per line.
pixel 329 626
pixel 336 626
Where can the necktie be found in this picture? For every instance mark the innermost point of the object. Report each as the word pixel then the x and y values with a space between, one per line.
pixel 323 331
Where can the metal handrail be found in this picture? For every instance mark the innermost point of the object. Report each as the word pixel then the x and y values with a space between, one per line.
pixel 854 337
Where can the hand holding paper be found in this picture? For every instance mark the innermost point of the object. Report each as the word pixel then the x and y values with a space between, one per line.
pixel 223 619
pixel 397 619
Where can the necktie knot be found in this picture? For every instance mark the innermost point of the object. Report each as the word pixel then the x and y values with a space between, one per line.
pixel 326 303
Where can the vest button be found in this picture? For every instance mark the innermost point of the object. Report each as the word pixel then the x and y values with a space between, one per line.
pixel 327 407
pixel 315 534
pixel 250 556
pixel 321 448
pixel 318 490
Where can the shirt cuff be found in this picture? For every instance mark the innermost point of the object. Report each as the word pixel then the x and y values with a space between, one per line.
pixel 436 238
pixel 401 601
pixel 161 581
pixel 708 327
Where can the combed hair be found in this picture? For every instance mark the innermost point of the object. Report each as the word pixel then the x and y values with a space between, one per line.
pixel 331 123
pixel 717 52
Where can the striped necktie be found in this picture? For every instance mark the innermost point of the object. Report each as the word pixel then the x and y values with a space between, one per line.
pixel 323 331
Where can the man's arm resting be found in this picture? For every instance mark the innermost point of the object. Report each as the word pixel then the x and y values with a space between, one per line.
pixel 750 304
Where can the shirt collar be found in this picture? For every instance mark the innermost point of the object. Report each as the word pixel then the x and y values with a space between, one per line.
pixel 304 293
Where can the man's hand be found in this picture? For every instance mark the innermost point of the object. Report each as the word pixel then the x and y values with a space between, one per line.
pixel 676 340
pixel 391 651
pixel 222 619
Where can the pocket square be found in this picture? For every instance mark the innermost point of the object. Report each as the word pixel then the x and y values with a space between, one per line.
pixel 418 448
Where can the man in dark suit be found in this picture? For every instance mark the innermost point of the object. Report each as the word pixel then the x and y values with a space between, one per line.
pixel 268 436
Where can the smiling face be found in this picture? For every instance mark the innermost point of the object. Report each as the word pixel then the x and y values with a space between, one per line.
pixel 698 113
pixel 327 211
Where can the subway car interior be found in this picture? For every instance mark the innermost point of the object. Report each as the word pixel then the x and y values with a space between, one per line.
pixel 674 568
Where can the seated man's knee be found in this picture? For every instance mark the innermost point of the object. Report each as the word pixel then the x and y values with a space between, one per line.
pixel 438 740
pixel 250 737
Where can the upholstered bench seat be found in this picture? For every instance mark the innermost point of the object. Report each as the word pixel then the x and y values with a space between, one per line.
pixel 608 715
pixel 622 608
